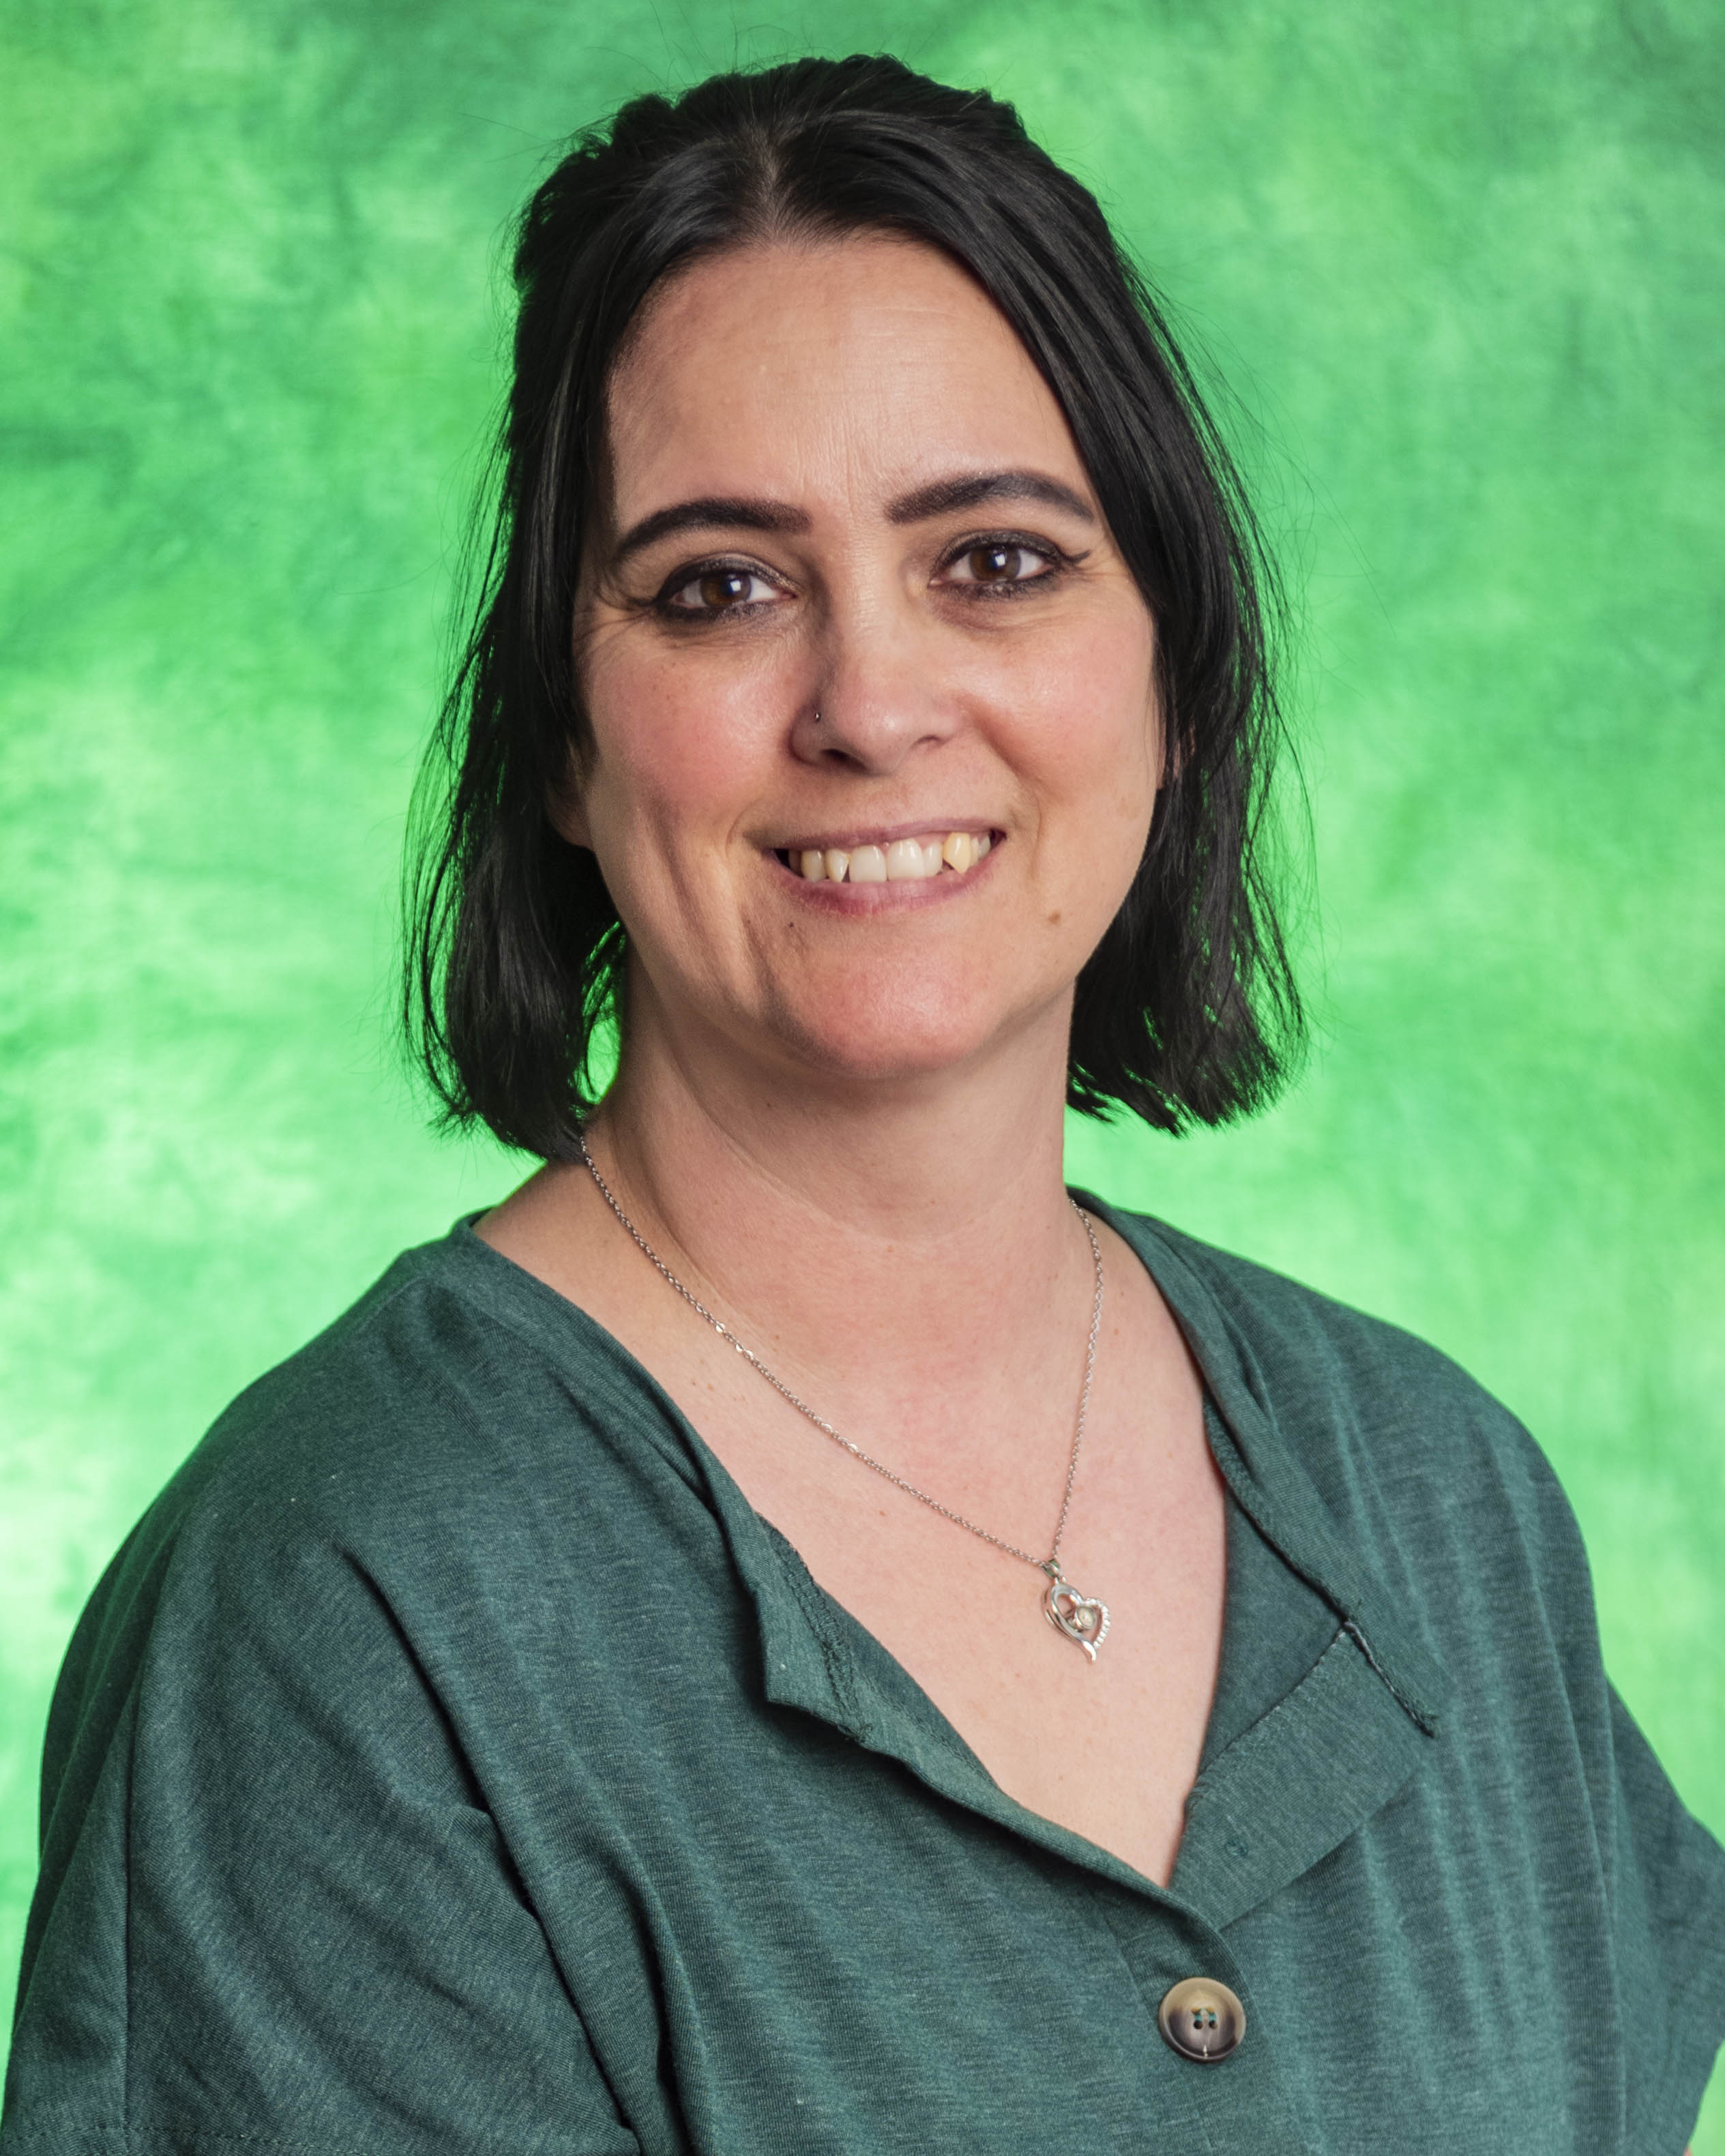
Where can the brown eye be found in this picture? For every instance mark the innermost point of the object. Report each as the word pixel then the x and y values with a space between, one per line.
pixel 995 565
pixel 718 591
pixel 1000 565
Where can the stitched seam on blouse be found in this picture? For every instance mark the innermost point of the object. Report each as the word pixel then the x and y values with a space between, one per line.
pixel 1425 1720
pixel 833 1653
pixel 1322 1672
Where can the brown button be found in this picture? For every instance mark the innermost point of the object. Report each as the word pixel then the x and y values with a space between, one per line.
pixel 1202 2019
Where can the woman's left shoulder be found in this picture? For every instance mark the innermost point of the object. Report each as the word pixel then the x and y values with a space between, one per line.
pixel 1396 1434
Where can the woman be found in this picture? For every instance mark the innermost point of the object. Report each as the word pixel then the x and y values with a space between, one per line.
pixel 793 1632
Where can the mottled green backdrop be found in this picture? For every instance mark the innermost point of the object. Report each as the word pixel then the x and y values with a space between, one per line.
pixel 1464 269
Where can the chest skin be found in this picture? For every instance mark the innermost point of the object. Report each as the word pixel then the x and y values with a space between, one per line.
pixel 1107 1749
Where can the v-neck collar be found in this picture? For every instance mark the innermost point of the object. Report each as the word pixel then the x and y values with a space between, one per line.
pixel 1296 1781
pixel 1260 1461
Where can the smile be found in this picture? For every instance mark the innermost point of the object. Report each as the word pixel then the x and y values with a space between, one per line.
pixel 915 860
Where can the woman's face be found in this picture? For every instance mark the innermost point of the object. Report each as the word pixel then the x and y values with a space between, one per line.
pixel 854 609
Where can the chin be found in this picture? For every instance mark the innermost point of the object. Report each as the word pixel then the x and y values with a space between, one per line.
pixel 901 1031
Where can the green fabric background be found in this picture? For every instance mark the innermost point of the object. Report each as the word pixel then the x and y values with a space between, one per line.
pixel 1463 269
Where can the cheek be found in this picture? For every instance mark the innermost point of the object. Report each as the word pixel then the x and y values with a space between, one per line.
pixel 1096 729
pixel 1097 750
pixel 679 746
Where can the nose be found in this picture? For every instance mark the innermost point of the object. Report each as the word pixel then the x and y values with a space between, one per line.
pixel 878 697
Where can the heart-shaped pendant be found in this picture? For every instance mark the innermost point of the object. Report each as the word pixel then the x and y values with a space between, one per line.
pixel 1080 1617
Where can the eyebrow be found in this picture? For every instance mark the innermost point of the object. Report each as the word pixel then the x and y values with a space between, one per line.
pixel 971 491
pixel 704 513
pixel 939 498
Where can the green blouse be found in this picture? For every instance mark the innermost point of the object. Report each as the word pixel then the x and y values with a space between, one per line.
pixel 453 1761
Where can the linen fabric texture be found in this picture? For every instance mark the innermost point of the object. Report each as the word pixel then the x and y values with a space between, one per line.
pixel 453 1760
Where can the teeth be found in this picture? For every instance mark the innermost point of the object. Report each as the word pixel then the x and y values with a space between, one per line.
pixel 906 860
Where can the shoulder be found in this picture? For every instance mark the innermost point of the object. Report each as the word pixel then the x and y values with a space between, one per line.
pixel 1301 1349
pixel 1415 1462
pixel 1293 1338
pixel 460 1441
pixel 457 1419
pixel 329 1432
pixel 454 1374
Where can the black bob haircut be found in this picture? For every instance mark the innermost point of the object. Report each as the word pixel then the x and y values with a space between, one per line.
pixel 1187 1011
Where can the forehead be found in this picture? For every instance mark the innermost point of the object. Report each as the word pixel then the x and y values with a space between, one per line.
pixel 845 372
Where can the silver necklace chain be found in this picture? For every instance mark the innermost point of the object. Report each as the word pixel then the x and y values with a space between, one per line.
pixel 1081 1618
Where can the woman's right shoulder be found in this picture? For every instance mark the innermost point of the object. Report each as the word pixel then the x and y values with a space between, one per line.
pixel 460 1428
pixel 378 1395
pixel 456 1392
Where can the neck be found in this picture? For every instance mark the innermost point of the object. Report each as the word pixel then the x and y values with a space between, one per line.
pixel 853 1224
